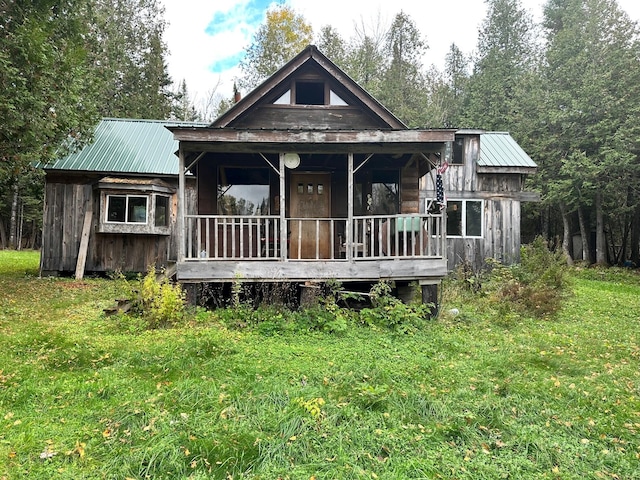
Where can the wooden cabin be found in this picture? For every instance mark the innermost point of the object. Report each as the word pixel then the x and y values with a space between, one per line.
pixel 307 179
pixel 119 195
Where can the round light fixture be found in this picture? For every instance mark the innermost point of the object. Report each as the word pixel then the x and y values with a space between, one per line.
pixel 291 160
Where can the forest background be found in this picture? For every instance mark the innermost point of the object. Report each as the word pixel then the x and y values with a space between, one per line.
pixel 566 88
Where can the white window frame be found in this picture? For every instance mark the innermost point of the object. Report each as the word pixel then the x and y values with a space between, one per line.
pixel 464 217
pixel 127 198
pixel 149 227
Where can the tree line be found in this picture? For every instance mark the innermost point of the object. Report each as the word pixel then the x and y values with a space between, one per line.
pixel 64 64
pixel 566 88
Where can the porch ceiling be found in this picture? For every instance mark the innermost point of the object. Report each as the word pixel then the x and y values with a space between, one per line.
pixel 356 141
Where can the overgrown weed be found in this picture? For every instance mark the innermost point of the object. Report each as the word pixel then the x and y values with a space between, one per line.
pixel 536 287
pixel 155 303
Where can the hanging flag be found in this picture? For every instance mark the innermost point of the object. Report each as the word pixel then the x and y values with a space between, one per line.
pixel 440 191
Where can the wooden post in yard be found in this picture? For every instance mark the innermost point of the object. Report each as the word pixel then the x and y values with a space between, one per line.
pixel 84 242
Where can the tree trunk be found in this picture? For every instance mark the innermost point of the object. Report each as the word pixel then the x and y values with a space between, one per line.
pixel 566 233
pixel 20 226
pixel 544 220
pixel 584 233
pixel 13 223
pixel 601 243
pixel 635 236
pixel 3 235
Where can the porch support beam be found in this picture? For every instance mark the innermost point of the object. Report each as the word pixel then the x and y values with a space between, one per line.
pixel 270 164
pixel 363 163
pixel 202 154
pixel 349 232
pixel 283 218
pixel 181 206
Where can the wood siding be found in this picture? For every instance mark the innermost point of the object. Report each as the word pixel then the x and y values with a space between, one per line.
pixel 308 116
pixel 501 194
pixel 64 210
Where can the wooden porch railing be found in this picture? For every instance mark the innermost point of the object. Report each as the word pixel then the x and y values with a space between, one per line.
pixel 258 237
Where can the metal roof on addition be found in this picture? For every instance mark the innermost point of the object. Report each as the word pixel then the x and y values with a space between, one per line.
pixel 499 149
pixel 127 146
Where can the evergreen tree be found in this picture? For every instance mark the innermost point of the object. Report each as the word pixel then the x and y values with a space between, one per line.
pixel 505 54
pixel 331 43
pixel 403 90
pixel 47 93
pixel 182 107
pixel 129 55
pixel 592 80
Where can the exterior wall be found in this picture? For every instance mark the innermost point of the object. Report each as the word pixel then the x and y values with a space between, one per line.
pixel 64 210
pixel 501 209
pixel 324 117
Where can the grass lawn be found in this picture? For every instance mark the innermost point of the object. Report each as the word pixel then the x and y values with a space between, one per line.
pixel 478 396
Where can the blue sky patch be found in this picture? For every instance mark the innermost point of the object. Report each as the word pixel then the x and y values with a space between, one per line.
pixel 227 63
pixel 243 16
pixel 251 14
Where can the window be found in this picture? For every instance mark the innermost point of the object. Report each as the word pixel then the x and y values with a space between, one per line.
pixel 464 218
pixel 309 93
pixel 161 217
pixel 458 151
pixel 243 191
pixel 385 192
pixel 135 206
pixel 127 209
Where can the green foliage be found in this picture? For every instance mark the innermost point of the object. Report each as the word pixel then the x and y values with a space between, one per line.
pixel 391 313
pixel 536 287
pixel 284 34
pixel 505 56
pixel 129 57
pixel 402 89
pixel 158 302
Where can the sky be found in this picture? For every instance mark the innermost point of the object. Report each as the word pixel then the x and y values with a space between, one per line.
pixel 206 38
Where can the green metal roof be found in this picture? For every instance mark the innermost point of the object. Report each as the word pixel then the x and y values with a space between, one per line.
pixel 499 149
pixel 127 146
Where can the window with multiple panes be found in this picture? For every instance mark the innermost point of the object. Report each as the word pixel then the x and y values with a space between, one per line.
pixel 310 93
pixel 146 213
pixel 127 208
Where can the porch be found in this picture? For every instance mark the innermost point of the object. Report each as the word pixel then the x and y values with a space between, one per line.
pixel 221 248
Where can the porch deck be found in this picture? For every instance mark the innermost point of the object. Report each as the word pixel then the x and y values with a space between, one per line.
pixel 220 248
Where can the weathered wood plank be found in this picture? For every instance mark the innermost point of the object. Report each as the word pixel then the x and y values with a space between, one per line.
pixel 227 271
pixel 264 137
pixel 84 242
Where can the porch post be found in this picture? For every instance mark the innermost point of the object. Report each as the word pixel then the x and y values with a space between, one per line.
pixel 446 154
pixel 349 232
pixel 181 207
pixel 283 217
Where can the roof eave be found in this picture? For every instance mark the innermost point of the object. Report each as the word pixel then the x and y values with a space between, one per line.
pixel 506 169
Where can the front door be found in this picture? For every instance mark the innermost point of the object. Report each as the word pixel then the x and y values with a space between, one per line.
pixel 310 209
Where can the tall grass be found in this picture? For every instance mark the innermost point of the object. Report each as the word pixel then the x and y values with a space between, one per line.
pixel 468 396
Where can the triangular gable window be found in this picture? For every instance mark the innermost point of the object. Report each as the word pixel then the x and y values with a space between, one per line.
pixel 285 99
pixel 335 99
